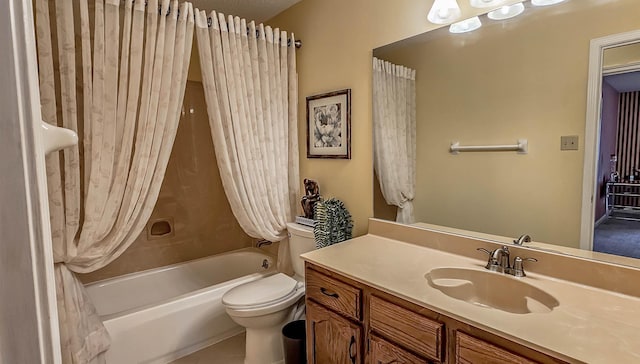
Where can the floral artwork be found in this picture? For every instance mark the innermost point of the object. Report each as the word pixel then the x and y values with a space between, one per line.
pixel 328 125
pixel 328 131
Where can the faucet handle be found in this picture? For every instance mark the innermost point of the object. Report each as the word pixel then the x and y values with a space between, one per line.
pixel 518 266
pixel 489 252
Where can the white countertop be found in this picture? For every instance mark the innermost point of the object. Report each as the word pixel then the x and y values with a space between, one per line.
pixel 590 325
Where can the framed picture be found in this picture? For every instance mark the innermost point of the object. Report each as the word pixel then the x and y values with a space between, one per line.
pixel 329 125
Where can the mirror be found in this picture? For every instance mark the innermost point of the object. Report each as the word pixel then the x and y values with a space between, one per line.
pixel 523 78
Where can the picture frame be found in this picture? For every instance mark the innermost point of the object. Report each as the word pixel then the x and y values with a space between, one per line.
pixel 329 125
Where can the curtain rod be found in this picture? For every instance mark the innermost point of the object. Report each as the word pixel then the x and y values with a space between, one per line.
pixel 297 43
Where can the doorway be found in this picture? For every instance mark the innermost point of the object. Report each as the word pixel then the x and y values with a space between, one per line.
pixel 611 190
pixel 617 206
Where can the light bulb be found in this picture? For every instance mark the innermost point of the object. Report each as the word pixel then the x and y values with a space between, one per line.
pixel 545 2
pixel 444 12
pixel 506 12
pixel 465 26
pixel 485 3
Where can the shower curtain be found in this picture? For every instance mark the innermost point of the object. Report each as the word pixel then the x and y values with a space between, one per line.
pixel 115 72
pixel 250 81
pixel 394 135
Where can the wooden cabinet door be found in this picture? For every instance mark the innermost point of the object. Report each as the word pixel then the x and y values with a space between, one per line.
pixel 384 352
pixel 332 338
pixel 471 350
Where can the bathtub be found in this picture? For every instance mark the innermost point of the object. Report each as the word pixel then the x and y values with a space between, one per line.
pixel 162 314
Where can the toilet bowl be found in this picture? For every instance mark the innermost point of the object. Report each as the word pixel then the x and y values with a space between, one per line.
pixel 264 306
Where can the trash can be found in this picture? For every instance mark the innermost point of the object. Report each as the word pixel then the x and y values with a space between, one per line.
pixel 294 341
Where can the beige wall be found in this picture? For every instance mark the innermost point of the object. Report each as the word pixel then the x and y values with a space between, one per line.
pixel 527 79
pixel 192 195
pixel 338 38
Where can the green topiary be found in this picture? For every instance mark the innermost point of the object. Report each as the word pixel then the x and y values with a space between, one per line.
pixel 333 223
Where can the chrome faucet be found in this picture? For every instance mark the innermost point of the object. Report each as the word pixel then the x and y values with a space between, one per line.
pixel 498 259
pixel 499 262
pixel 522 239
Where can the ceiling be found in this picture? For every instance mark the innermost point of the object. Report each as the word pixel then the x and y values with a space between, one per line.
pixel 257 10
pixel 625 82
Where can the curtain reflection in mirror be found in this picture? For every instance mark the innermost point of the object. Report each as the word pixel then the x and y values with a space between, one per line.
pixel 394 135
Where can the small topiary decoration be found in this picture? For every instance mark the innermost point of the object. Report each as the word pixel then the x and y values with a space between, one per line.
pixel 333 223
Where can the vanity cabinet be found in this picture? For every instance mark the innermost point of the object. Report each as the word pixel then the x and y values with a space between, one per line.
pixel 349 322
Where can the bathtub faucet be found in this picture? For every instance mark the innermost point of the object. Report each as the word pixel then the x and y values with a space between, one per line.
pixel 263 242
pixel 265 264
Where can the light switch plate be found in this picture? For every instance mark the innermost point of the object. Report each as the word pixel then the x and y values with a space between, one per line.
pixel 569 142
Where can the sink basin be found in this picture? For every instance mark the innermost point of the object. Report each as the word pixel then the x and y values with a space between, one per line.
pixel 491 290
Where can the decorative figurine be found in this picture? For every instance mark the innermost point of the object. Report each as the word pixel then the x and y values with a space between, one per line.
pixel 312 195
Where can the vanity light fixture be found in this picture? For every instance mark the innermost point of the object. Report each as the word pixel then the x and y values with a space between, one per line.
pixel 545 2
pixel 485 3
pixel 506 12
pixel 465 26
pixel 444 12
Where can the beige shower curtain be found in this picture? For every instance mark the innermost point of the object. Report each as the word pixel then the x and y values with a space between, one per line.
pixel 394 135
pixel 251 91
pixel 114 71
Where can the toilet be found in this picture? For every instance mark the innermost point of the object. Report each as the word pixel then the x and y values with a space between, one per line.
pixel 264 306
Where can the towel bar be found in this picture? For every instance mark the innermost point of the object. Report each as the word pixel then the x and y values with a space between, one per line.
pixel 522 147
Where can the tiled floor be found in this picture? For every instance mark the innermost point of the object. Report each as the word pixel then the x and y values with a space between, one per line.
pixel 230 351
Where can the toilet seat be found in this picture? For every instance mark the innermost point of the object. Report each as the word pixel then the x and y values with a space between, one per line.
pixel 265 292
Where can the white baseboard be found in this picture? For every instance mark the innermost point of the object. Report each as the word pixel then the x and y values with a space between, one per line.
pixel 601 220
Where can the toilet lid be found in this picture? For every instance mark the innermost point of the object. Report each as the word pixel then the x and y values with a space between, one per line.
pixel 261 292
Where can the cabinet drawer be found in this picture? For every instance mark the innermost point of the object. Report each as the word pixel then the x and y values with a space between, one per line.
pixel 334 294
pixel 384 352
pixel 407 328
pixel 470 350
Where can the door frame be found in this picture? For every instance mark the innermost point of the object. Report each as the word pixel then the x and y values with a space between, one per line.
pixel 592 128
pixel 29 330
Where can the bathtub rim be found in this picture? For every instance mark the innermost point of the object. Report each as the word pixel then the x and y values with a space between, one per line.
pixel 162 303
pixel 173 265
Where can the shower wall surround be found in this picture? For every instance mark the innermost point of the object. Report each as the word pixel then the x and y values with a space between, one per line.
pixel 191 195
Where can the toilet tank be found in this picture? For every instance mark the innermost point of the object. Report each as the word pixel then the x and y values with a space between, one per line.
pixel 301 240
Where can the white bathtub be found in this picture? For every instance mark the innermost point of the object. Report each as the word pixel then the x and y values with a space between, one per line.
pixel 162 314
